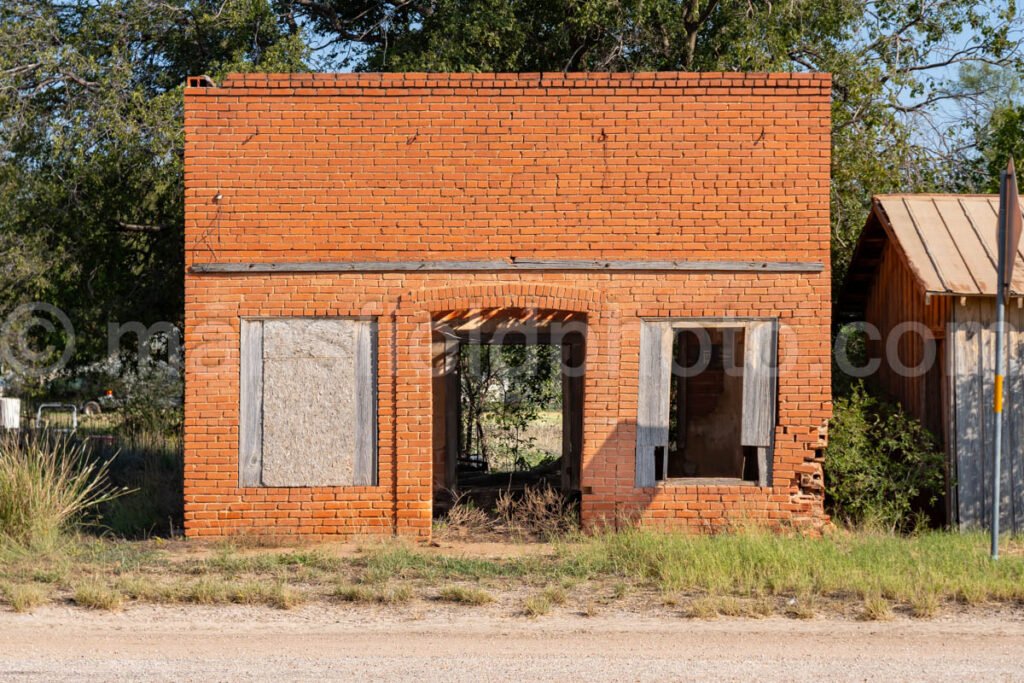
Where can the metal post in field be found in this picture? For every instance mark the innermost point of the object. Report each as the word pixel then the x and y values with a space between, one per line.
pixel 1000 371
pixel 1009 229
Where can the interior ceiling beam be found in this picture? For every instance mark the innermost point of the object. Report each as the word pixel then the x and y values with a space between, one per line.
pixel 510 265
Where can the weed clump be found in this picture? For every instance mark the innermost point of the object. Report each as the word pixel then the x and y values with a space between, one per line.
pixel 47 483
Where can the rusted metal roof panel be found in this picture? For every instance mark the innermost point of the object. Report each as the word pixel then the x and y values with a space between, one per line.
pixel 949 240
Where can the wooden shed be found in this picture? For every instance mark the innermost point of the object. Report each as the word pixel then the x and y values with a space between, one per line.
pixel 923 275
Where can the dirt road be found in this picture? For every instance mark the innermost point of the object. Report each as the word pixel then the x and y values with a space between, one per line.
pixel 333 643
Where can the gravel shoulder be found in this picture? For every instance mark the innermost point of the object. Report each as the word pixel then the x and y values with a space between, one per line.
pixel 192 643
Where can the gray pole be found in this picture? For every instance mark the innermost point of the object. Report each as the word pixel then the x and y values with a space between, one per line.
pixel 1000 363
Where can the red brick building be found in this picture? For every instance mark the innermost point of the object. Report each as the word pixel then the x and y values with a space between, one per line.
pixel 345 233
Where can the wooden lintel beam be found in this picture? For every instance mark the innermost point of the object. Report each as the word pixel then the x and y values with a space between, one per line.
pixel 513 265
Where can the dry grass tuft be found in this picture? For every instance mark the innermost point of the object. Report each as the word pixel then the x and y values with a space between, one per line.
pixel 876 608
pixel 556 595
pixel 465 596
pixel 924 605
pixel 25 597
pixel 539 512
pixel 713 606
pixel 703 608
pixel 99 596
pixel 537 606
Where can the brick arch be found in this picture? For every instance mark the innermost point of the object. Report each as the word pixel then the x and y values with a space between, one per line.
pixel 508 294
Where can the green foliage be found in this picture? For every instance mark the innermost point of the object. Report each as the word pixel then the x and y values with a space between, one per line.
pixel 151 396
pixel 1003 138
pixel 91 146
pixel 881 466
pixel 504 390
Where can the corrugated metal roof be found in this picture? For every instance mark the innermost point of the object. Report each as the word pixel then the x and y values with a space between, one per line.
pixel 949 240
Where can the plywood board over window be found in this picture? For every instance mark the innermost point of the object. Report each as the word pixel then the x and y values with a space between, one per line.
pixel 308 402
pixel 718 379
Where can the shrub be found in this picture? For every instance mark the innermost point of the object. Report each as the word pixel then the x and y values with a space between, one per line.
pixel 46 484
pixel 463 519
pixel 881 466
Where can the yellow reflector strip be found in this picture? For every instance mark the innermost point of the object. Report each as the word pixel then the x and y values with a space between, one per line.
pixel 999 393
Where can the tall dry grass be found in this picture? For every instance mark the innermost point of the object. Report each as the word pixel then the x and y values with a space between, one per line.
pixel 47 483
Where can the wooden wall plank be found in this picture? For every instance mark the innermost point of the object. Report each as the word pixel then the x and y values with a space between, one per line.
pixel 759 378
pixel 364 466
pixel 986 316
pixel 516 265
pixel 974 421
pixel 653 400
pixel 1014 427
pixel 967 357
pixel 949 414
pixel 250 418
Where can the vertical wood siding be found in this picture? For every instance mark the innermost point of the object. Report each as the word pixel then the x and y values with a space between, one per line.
pixel 973 334
pixel 897 298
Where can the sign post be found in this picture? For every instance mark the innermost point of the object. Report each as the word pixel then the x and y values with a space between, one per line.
pixel 1009 229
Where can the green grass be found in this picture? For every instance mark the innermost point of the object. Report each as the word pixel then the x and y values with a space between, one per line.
pixel 871 575
pixel 843 565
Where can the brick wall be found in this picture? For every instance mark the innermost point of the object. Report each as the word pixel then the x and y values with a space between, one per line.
pixel 392 167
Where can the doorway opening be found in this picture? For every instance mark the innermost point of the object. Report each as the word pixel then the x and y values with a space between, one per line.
pixel 507 404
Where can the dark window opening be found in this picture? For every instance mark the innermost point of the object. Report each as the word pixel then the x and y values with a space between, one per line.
pixel 706 407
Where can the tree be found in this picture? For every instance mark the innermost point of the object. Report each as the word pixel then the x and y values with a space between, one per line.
pixel 503 390
pixel 91 145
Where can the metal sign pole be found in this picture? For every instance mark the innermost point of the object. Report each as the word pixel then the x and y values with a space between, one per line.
pixel 1000 362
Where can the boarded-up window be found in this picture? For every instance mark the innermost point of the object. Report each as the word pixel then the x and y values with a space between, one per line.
pixel 308 402
pixel 707 399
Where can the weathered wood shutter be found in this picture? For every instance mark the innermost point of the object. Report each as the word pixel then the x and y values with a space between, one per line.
pixel 653 400
pixel 250 417
pixel 759 393
pixel 364 469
